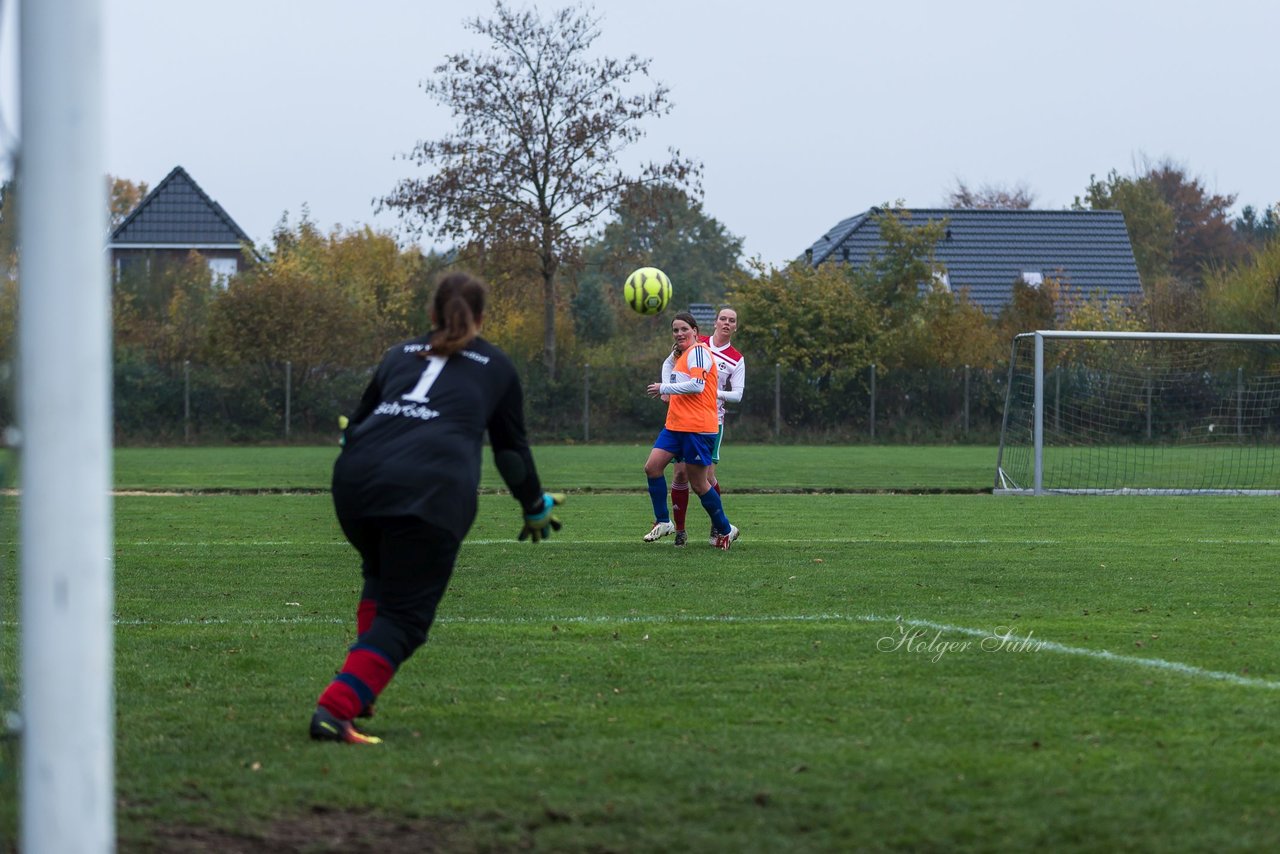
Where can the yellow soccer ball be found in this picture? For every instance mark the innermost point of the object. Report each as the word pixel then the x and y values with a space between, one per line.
pixel 647 290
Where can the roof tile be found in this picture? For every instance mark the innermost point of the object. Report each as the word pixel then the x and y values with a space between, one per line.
pixel 985 251
pixel 177 211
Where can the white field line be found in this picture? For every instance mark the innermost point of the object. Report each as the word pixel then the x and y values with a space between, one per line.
pixel 1238 542
pixel 1025 642
pixel 1098 654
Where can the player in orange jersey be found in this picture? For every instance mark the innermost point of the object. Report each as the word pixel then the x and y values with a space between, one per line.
pixel 732 371
pixel 690 432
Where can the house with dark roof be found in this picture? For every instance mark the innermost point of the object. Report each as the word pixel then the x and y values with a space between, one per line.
pixel 175 219
pixel 985 251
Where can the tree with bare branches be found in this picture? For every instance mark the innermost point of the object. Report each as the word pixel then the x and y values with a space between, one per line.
pixel 532 161
pixel 991 196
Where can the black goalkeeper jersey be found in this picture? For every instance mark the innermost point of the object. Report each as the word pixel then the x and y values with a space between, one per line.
pixel 413 445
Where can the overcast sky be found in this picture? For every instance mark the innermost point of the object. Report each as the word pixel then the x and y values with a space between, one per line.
pixel 803 112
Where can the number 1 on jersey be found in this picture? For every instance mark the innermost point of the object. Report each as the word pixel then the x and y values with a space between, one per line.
pixel 435 364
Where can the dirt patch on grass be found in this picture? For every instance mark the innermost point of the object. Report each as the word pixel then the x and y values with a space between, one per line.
pixel 317 832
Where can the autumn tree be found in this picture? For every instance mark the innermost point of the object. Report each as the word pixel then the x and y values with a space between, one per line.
pixel 990 196
pixel 160 315
pixel 1203 237
pixel 1147 216
pixel 1176 225
pixel 901 268
pixel 278 313
pixel 922 322
pixel 1246 296
pixel 1096 311
pixel 321 301
pixel 123 196
pixel 1170 304
pixel 950 331
pixel 513 318
pixel 8 298
pixel 661 226
pixel 8 272
pixel 532 162
pixel 1030 307
pixel 389 285
pixel 8 225
pixel 813 321
pixel 8 314
pixel 1257 228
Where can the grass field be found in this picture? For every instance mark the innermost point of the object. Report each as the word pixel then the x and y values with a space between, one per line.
pixel 915 672
pixel 584 467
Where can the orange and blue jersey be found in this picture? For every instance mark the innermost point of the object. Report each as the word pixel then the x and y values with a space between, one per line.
pixel 692 405
pixel 690 383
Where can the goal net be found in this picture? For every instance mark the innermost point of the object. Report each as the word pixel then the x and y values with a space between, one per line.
pixel 1141 413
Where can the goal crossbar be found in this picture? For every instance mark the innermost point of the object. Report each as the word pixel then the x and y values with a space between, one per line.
pixel 1149 336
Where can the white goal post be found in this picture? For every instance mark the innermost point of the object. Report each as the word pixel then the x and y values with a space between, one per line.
pixel 64 415
pixel 1141 413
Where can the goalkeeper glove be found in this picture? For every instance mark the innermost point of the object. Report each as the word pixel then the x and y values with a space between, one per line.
pixel 539 524
pixel 343 421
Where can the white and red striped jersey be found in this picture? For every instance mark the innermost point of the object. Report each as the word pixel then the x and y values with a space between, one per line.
pixel 733 375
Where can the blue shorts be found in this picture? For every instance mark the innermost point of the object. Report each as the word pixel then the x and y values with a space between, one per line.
pixel 690 448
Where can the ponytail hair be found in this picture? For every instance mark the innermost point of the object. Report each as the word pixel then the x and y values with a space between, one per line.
pixel 456 310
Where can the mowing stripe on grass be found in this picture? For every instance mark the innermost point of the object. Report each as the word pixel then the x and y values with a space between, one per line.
pixel 562 542
pixel 1006 641
pixel 855 541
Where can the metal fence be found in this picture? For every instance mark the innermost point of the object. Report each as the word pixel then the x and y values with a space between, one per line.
pixel 206 404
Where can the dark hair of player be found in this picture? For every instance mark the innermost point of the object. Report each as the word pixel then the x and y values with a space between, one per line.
pixel 457 308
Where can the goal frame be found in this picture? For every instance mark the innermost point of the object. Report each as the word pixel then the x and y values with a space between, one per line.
pixel 1002 485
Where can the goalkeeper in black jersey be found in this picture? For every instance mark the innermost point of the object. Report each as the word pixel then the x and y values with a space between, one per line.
pixel 405 483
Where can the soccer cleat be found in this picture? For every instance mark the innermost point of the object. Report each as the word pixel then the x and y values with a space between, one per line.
pixel 326 727
pixel 723 541
pixel 711 540
pixel 682 537
pixel 660 530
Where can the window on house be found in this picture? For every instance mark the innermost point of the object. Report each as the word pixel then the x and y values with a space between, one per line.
pixel 942 279
pixel 132 265
pixel 1033 279
pixel 222 269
